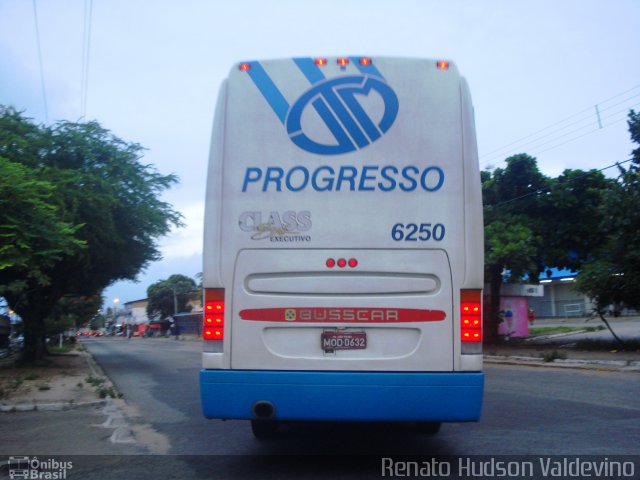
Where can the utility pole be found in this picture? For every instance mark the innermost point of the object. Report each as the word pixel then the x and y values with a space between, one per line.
pixel 175 300
pixel 598 117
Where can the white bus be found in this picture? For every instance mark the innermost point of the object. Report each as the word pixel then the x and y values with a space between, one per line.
pixel 343 245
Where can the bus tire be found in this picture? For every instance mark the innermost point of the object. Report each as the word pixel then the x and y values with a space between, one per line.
pixel 263 428
pixel 429 428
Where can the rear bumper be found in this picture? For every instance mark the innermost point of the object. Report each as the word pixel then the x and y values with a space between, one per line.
pixel 441 397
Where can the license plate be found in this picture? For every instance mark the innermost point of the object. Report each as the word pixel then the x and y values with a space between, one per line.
pixel 343 340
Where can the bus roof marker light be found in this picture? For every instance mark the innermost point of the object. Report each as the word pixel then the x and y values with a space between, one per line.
pixel 343 61
pixel 321 62
pixel 366 61
pixel 244 67
pixel 442 65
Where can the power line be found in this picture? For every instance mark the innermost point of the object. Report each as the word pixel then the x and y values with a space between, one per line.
pixel 593 130
pixel 86 55
pixel 44 91
pixel 592 117
pixel 546 189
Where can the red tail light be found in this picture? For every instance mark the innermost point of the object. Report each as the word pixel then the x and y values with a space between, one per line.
pixel 213 318
pixel 471 316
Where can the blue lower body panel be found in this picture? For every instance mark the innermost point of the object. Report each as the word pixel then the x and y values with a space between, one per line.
pixel 394 396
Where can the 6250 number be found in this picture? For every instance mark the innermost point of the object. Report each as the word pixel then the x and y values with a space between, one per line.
pixel 412 232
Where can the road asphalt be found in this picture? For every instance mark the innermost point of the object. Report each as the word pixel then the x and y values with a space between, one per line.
pixel 551 351
pixel 98 427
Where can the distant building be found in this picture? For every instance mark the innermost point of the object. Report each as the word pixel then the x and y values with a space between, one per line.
pixel 136 311
pixel 560 299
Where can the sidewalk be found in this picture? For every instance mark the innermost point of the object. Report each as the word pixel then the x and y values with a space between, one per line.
pixel 562 349
pixel 61 407
pixel 556 356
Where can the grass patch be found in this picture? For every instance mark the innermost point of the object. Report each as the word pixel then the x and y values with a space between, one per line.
pixel 104 392
pixel 10 385
pixel 553 330
pixel 599 328
pixel 554 355
pixel 55 349
pixel 94 381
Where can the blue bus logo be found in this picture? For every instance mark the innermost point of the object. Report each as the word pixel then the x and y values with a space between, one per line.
pixel 336 101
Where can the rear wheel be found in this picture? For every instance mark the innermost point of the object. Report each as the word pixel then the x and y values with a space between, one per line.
pixel 430 428
pixel 263 428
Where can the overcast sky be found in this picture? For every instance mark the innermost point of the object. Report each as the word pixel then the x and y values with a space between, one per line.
pixel 149 70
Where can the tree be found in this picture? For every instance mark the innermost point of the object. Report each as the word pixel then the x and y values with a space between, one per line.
pixel 533 222
pixel 511 201
pixel 102 193
pixel 611 277
pixel 32 234
pixel 170 296
pixel 73 311
pixel 572 214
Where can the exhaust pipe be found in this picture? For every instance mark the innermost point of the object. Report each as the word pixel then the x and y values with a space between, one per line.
pixel 263 410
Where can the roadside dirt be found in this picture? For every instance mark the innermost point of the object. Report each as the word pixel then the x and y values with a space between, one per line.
pixel 58 379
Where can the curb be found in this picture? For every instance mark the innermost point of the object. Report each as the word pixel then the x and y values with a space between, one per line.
pixel 49 407
pixel 605 365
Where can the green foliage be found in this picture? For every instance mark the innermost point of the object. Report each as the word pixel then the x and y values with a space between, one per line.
pixel 512 209
pixel 572 216
pixel 32 235
pixel 89 214
pixel 170 296
pixel 511 244
pixel 611 277
pixel 533 221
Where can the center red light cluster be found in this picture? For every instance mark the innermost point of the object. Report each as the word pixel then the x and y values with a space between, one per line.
pixel 341 262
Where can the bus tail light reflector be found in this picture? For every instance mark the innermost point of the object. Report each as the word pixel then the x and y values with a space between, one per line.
pixel 471 316
pixel 213 318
